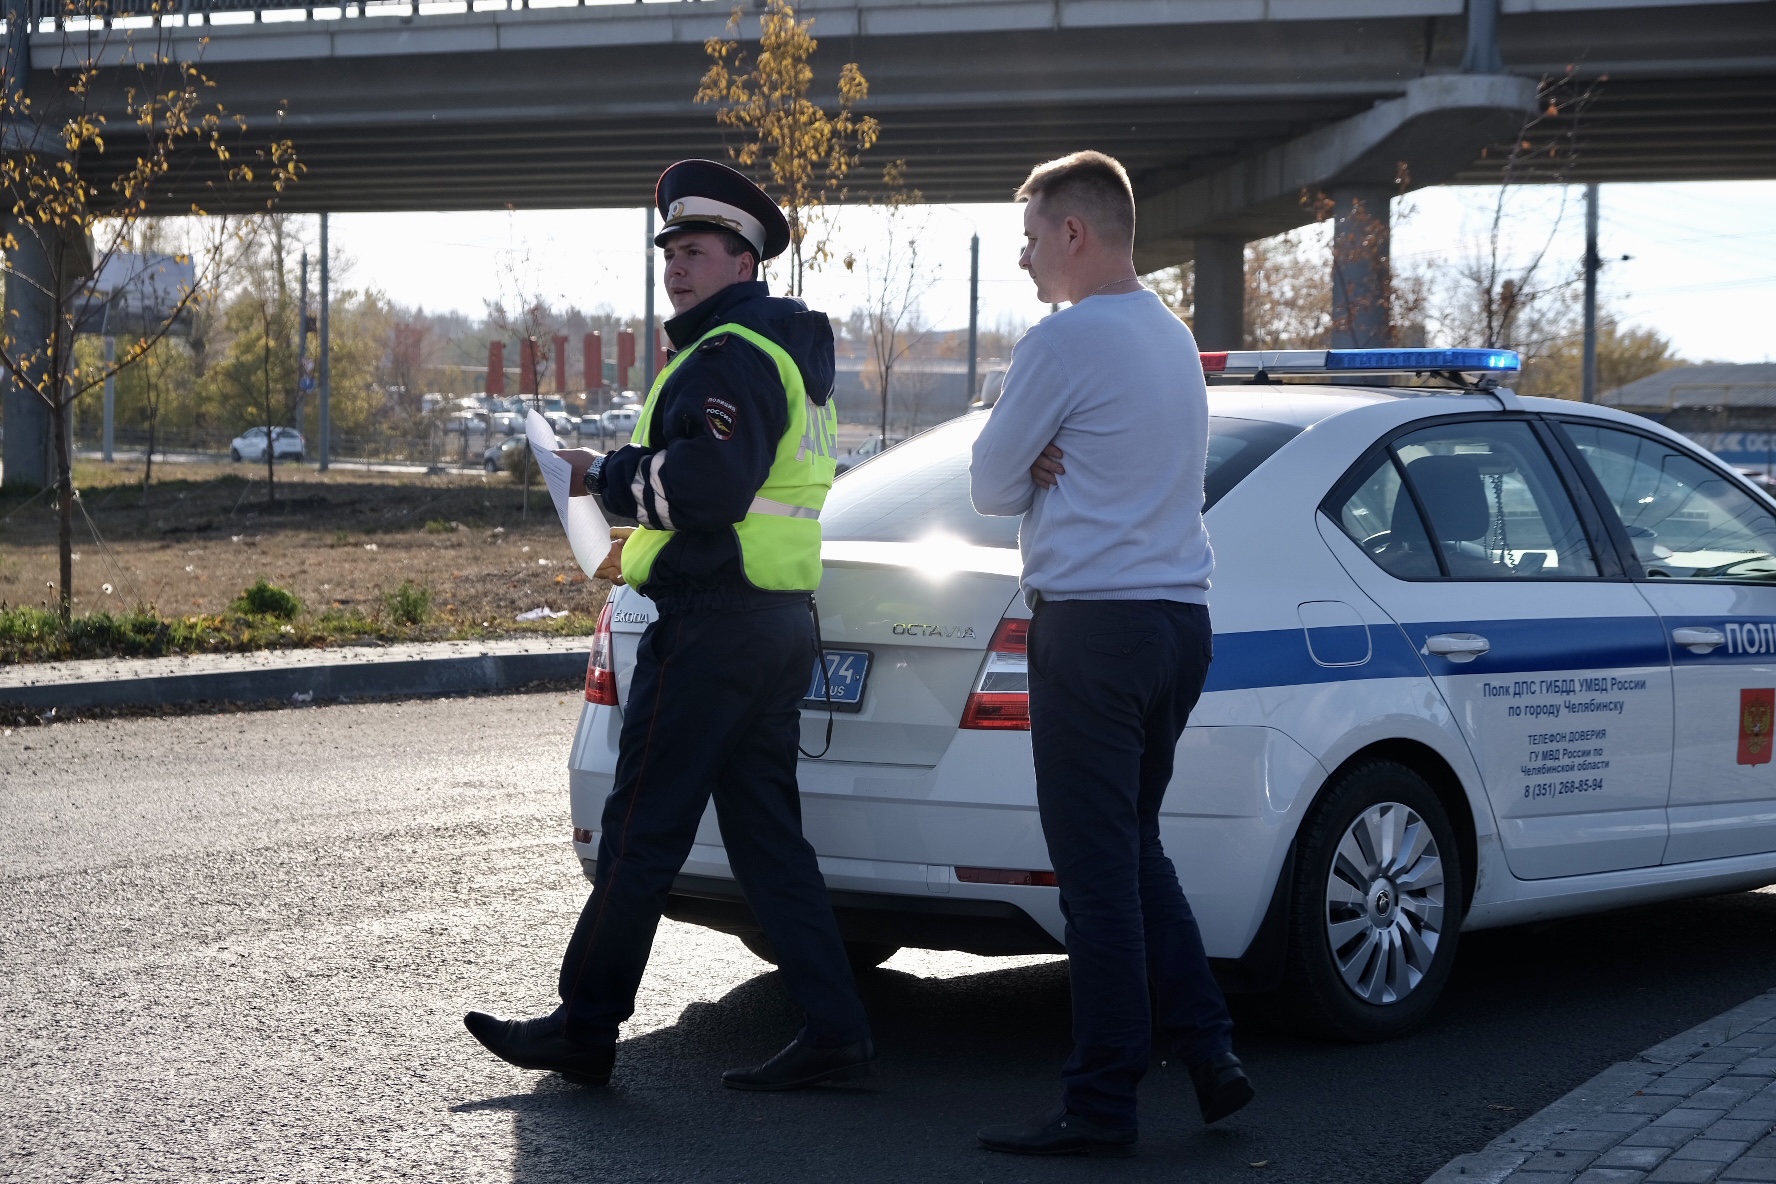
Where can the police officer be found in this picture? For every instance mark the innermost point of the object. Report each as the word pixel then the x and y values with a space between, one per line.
pixel 728 468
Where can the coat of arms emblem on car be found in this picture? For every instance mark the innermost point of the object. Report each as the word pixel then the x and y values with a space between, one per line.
pixel 1757 711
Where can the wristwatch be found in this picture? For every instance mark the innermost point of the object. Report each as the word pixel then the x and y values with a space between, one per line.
pixel 591 478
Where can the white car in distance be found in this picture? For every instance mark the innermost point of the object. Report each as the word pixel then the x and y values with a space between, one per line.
pixel 1479 660
pixel 873 446
pixel 621 421
pixel 250 445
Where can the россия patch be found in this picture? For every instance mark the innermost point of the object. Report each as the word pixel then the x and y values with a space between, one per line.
pixel 721 416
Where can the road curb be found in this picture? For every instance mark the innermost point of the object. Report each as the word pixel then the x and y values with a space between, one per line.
pixel 354 676
pixel 1511 1150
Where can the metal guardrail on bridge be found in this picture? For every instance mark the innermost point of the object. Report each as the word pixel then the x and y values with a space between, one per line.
pixel 49 16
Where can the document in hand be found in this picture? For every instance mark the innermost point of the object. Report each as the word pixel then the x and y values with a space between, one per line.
pixel 588 531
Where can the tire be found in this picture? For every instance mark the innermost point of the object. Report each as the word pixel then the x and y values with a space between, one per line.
pixel 1372 931
pixel 234 455
pixel 490 466
pixel 863 955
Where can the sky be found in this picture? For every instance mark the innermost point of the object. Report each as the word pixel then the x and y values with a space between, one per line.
pixel 1701 267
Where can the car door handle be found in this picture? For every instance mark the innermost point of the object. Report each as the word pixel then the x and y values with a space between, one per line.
pixel 1698 639
pixel 1457 647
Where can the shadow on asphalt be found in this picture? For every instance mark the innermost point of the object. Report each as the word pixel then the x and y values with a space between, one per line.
pixel 1530 1013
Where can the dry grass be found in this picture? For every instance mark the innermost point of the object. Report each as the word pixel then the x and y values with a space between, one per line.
pixel 344 539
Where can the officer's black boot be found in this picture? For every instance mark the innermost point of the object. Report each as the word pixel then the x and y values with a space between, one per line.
pixel 1221 1086
pixel 543 1044
pixel 1057 1132
pixel 802 1065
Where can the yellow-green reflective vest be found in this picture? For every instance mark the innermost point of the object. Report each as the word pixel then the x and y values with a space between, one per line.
pixel 780 535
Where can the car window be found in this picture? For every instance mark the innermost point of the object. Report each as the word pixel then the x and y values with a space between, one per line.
pixel 1380 518
pixel 1495 507
pixel 919 488
pixel 1236 447
pixel 1686 519
pixel 915 491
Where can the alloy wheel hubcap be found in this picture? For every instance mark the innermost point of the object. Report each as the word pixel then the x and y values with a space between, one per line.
pixel 1384 903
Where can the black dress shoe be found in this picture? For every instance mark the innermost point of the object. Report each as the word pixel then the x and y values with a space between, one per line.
pixel 802 1065
pixel 1221 1086
pixel 543 1044
pixel 1056 1132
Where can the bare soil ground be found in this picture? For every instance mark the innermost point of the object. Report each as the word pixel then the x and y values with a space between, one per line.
pixel 196 539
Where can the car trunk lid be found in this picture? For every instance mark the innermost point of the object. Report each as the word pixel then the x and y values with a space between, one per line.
pixel 924 614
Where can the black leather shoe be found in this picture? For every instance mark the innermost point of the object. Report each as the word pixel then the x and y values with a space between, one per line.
pixel 543 1044
pixel 1056 1132
pixel 801 1065
pixel 1221 1086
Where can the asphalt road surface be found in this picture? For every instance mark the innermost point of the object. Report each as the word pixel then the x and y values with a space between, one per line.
pixel 240 946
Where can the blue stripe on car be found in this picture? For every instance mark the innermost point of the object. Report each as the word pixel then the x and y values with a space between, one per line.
pixel 1280 657
pixel 1750 641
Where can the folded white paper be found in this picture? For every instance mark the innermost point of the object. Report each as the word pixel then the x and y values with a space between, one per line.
pixel 588 531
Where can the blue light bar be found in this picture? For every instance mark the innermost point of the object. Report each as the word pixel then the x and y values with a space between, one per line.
pixel 1361 361
pixel 1377 360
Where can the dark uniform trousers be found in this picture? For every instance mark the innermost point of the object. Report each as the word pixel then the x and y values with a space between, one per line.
pixel 714 707
pixel 1112 683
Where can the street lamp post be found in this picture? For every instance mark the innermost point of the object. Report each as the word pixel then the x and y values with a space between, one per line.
pixel 326 356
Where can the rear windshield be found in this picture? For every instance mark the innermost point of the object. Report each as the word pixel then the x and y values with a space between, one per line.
pixel 920 488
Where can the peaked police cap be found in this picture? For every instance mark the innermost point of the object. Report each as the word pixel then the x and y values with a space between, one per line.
pixel 704 195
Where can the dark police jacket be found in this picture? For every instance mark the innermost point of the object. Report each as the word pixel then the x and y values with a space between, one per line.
pixel 713 437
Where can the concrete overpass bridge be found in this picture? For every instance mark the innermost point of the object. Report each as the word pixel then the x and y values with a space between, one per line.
pixel 1226 111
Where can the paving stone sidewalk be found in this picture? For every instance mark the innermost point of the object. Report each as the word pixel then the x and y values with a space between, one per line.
pixel 1694 1109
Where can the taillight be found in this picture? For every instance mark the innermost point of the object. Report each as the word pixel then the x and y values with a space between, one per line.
pixel 601 673
pixel 1001 696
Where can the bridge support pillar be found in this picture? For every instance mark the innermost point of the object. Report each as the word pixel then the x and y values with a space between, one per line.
pixel 1220 292
pixel 1362 286
pixel 30 314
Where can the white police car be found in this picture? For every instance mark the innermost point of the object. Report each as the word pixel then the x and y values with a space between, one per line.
pixel 1479 660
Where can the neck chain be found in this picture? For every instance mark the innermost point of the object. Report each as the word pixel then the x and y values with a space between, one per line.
pixel 1130 279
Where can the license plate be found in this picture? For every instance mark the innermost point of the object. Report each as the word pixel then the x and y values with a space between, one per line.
pixel 845 674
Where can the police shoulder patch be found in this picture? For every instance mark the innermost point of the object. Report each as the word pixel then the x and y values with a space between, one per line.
pixel 721 416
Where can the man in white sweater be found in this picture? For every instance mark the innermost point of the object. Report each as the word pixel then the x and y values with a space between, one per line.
pixel 1099 440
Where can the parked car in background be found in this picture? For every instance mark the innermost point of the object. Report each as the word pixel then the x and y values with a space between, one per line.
pixel 1764 481
pixel 621 421
pixel 466 421
pixel 864 451
pixel 498 458
pixel 250 445
pixel 991 386
pixel 563 423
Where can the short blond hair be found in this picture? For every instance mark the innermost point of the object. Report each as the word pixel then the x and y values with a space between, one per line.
pixel 1091 185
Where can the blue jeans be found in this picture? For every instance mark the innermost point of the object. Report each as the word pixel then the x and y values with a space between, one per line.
pixel 1112 683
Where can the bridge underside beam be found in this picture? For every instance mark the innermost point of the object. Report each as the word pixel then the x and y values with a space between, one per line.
pixel 1637 130
pixel 581 106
